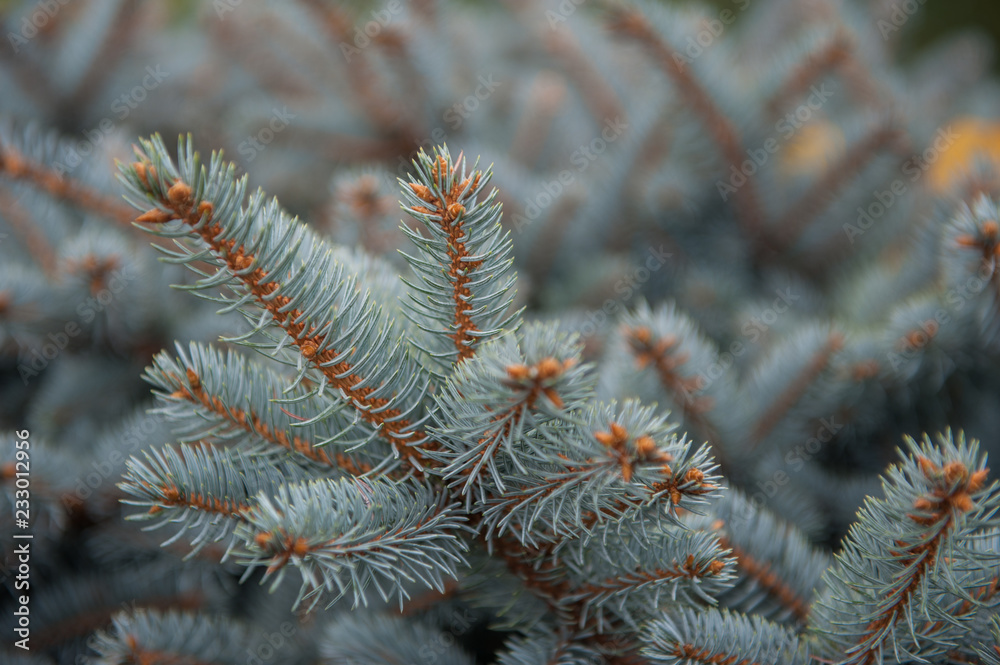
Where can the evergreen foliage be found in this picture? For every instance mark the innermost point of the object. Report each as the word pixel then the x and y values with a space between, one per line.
pixel 444 444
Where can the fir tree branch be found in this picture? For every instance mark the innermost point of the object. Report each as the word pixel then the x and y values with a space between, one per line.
pixel 462 266
pixel 205 489
pixel 491 400
pixel 96 617
pixel 767 421
pixel 720 638
pixel 778 569
pixel 541 646
pixel 990 652
pixel 665 355
pixel 632 23
pixel 546 96
pixel 611 464
pixel 672 569
pixel 379 639
pixel 173 637
pixel 599 96
pixel 386 114
pixel 822 193
pixel 114 45
pixel 225 229
pixel 380 534
pixel 881 590
pixel 938 514
pixel 832 55
pixel 34 240
pixel 196 380
pixel 15 166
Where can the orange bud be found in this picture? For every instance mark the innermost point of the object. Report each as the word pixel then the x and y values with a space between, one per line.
pixel 928 467
pixel 978 479
pixel 140 170
pixel 645 445
pixel 154 216
pixel 553 397
pixel 422 191
pixel 955 472
pixel 518 371
pixel 962 502
pixel 548 368
pixel 642 334
pixel 605 438
pixel 179 193
pixel 300 547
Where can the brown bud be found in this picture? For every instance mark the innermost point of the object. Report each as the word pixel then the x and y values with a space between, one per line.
pixel 955 472
pixel 422 191
pixel 140 170
pixel 962 501
pixel 978 479
pixel 154 216
pixel 193 379
pixel 518 371
pixel 694 475
pixel 179 193
pixel 606 438
pixel 548 368
pixel 645 445
pixel 642 334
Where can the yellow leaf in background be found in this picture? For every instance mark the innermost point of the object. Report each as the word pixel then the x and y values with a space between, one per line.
pixel 812 149
pixel 973 137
